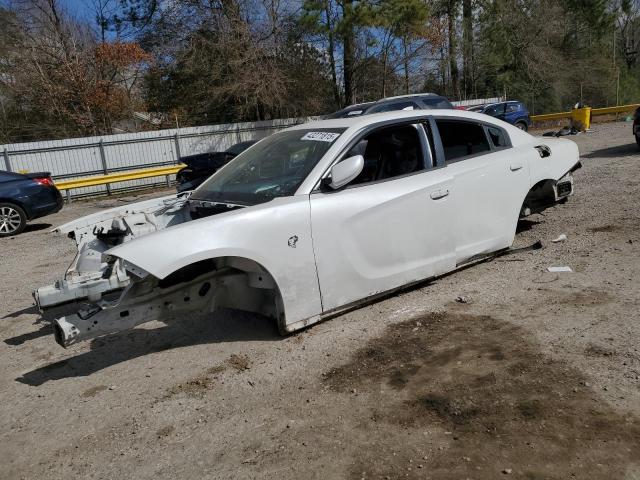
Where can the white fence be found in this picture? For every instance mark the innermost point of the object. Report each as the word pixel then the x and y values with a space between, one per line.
pixel 477 101
pixel 83 157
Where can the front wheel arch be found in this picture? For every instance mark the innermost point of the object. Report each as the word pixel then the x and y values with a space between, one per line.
pixel 243 283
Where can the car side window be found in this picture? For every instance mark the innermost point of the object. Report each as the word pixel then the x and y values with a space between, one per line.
pixel 461 139
pixel 498 137
pixel 495 110
pixel 512 107
pixel 388 153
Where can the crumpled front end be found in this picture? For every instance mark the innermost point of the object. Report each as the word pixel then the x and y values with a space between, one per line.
pixel 89 276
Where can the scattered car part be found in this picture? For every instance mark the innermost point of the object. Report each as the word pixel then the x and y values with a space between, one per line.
pixel 560 238
pixel 561 269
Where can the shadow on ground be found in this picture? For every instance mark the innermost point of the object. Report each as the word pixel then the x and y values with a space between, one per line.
pixel 221 327
pixel 24 311
pixel 525 225
pixel 34 227
pixel 613 152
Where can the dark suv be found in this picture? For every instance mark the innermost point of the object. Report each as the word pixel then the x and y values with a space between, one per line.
pixel 513 112
pixel 636 125
pixel 420 101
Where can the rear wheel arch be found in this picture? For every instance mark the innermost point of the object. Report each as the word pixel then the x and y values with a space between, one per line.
pixel 539 196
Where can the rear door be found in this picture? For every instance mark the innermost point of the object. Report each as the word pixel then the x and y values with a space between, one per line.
pixel 390 226
pixel 490 180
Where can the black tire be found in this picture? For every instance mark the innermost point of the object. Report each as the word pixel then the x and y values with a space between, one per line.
pixel 522 126
pixel 12 219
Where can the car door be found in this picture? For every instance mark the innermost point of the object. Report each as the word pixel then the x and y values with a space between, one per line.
pixel 388 227
pixel 512 113
pixel 490 179
pixel 497 111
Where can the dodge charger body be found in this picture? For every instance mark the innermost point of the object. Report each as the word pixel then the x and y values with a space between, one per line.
pixel 313 220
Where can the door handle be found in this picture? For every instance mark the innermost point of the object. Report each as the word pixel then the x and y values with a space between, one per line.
pixel 515 168
pixel 439 194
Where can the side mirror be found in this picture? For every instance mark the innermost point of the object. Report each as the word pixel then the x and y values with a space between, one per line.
pixel 345 171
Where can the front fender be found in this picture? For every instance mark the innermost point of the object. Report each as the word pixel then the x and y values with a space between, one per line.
pixel 277 235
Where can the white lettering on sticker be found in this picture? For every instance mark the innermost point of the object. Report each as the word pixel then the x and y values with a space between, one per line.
pixel 321 136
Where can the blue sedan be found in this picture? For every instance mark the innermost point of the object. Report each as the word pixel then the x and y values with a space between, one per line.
pixel 24 198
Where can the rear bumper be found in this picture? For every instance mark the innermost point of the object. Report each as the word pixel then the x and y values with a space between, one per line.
pixel 53 203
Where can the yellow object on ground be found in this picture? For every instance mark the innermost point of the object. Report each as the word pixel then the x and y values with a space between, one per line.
pixel 581 118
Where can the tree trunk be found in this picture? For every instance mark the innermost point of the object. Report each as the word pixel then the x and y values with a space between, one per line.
pixel 406 65
pixel 467 46
pixel 453 61
pixel 347 51
pixel 332 57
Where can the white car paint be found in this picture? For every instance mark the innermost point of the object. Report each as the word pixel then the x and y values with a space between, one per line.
pixel 319 250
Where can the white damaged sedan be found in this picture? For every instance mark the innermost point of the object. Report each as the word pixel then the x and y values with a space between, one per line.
pixel 314 220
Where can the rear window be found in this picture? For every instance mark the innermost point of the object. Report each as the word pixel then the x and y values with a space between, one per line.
pixel 462 139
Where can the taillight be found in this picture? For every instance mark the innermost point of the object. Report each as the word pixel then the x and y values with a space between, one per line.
pixel 46 181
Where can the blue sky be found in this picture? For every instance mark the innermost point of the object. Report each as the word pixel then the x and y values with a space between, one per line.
pixel 79 8
pixel 82 9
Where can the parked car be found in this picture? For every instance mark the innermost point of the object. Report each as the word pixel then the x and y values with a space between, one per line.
pixel 636 125
pixel 202 165
pixel 25 197
pixel 512 112
pixel 313 220
pixel 419 101
pixel 350 111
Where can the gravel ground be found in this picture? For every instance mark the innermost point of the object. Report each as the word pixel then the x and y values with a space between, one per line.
pixel 535 375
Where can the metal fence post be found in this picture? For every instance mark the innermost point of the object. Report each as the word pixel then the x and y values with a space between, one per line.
pixel 103 159
pixel 176 137
pixel 7 161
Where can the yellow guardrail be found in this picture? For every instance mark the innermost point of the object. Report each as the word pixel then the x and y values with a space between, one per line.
pixel 594 112
pixel 117 177
pixel 550 116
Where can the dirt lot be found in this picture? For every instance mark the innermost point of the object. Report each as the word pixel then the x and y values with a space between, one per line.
pixel 536 376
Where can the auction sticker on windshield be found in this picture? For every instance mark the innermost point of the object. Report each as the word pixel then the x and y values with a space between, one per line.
pixel 321 136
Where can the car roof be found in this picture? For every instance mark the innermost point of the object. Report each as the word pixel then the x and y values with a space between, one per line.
pixel 373 118
pixel 410 95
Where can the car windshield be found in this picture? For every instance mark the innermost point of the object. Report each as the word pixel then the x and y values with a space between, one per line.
pixel 238 148
pixel 274 167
